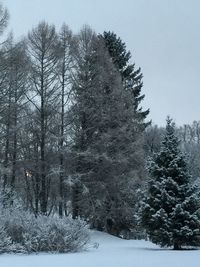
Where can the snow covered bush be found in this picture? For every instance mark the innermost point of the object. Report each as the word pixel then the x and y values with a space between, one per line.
pixel 6 243
pixel 22 232
pixel 55 235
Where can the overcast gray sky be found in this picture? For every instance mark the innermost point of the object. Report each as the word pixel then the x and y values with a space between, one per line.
pixel 162 35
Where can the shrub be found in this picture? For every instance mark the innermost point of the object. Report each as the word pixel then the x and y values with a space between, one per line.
pixel 21 232
pixel 55 235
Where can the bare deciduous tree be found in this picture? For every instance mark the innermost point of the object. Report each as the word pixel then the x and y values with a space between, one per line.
pixel 42 44
pixel 65 67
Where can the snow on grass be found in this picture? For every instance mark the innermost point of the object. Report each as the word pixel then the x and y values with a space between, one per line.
pixel 112 252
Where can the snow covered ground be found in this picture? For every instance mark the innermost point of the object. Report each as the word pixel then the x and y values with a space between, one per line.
pixel 112 252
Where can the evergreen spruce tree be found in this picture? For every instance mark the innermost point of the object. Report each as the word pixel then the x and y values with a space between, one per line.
pixel 131 77
pixel 170 212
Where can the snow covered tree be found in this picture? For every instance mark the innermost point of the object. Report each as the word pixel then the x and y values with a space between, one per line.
pixel 15 85
pixel 170 211
pixel 152 139
pixel 189 135
pixel 42 44
pixel 4 16
pixel 107 150
pixel 64 70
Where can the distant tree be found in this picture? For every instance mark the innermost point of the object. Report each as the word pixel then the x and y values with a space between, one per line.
pixel 4 19
pixel 170 212
pixel 152 139
pixel 189 135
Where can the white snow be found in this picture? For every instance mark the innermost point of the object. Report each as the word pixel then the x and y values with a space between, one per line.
pixel 112 252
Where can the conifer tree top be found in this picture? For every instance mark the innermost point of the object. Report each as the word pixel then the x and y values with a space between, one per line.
pixel 131 77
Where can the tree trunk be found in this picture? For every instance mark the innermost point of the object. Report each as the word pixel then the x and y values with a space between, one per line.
pixel 7 144
pixel 177 246
pixel 42 145
pixel 61 204
pixel 14 158
pixel 75 200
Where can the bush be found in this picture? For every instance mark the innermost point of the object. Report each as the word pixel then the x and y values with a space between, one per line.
pixel 21 232
pixel 6 244
pixel 55 235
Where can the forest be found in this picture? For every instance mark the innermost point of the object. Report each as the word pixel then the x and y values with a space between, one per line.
pixel 78 150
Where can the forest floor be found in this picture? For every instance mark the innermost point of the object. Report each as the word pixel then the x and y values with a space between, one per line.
pixel 108 251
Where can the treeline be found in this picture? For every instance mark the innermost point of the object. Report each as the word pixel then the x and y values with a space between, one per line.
pixel 71 124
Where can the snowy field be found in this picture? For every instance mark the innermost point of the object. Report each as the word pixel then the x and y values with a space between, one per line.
pixel 112 252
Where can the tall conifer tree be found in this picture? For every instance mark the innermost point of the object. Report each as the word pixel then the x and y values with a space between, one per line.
pixel 107 149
